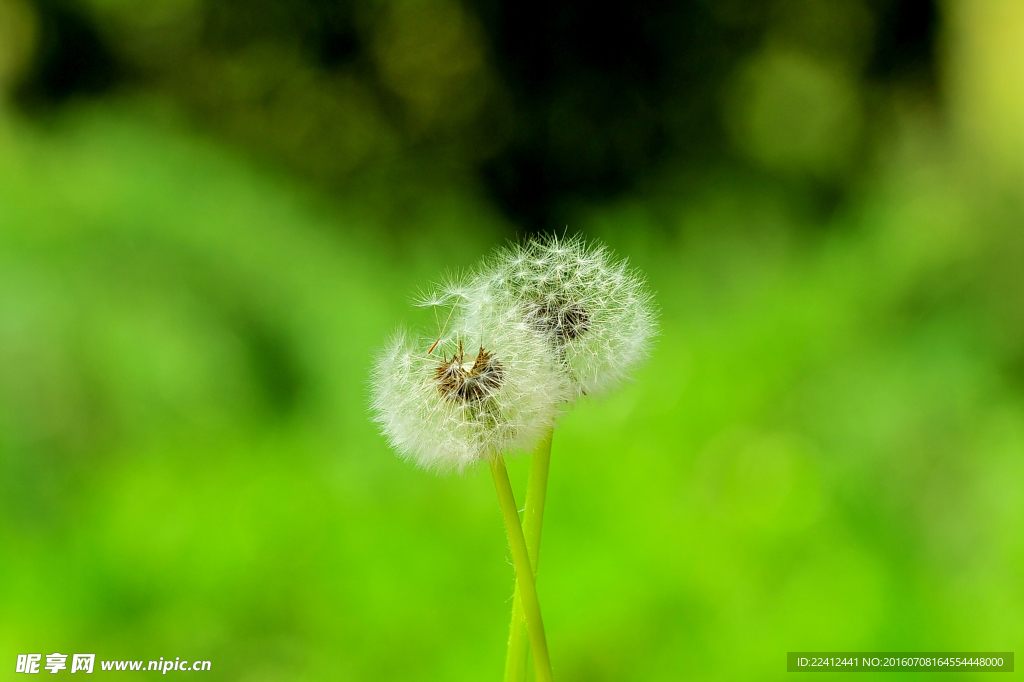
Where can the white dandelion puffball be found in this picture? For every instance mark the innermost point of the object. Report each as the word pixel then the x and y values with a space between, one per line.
pixel 595 311
pixel 470 396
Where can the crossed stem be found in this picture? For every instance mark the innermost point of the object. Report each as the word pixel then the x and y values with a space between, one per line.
pixel 526 586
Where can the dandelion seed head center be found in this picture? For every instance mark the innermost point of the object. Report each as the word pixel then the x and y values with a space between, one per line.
pixel 469 381
pixel 567 320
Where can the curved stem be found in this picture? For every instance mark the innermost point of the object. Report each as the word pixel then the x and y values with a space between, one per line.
pixel 524 572
pixel 533 518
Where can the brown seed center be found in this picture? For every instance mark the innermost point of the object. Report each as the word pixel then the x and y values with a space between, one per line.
pixel 566 320
pixel 471 385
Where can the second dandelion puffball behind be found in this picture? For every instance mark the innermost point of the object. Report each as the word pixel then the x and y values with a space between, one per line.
pixel 595 311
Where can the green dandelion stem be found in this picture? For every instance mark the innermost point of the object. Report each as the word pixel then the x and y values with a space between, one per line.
pixel 524 571
pixel 533 518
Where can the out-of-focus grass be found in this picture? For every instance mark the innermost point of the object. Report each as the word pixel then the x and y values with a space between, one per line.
pixel 823 452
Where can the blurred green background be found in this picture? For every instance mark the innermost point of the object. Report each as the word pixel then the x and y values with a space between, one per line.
pixel 213 211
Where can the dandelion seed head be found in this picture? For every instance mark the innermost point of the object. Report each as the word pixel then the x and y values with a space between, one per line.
pixel 595 311
pixel 454 407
